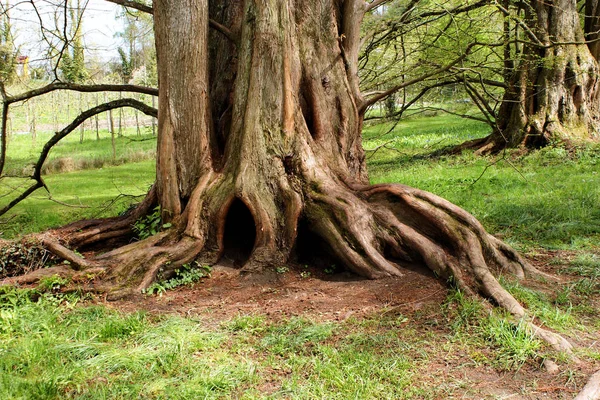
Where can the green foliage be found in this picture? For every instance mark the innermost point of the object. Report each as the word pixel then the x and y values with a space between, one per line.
pixel 187 274
pixel 149 225
pixel 7 62
pixel 126 65
pixel 8 54
pixel 12 297
pixel 52 283
pixel 72 63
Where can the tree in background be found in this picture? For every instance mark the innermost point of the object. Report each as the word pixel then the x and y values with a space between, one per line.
pixel 7 49
pixel 433 58
pixel 137 58
pixel 72 61
pixel 551 77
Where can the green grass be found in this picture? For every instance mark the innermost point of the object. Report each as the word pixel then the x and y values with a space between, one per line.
pixel 52 347
pixel 547 198
pixel 53 350
pixel 69 154
pixel 95 189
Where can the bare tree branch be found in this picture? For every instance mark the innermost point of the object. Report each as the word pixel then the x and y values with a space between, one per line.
pixel 374 4
pixel 133 4
pixel 81 88
pixel 223 29
pixel 429 74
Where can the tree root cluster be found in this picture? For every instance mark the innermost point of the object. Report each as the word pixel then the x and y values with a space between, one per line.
pixel 375 231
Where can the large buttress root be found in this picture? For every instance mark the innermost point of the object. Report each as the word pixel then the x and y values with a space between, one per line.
pixel 376 230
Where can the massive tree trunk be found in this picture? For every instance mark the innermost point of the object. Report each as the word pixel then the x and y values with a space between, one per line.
pixel 259 134
pixel 553 92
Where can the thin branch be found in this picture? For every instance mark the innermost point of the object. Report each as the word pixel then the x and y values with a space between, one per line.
pixel 133 4
pixel 51 198
pixel 384 146
pixel 374 4
pixel 81 88
pixel 148 9
pixel 3 133
pixel 388 92
pixel 223 29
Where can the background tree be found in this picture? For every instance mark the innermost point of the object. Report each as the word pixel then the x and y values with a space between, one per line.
pixel 424 52
pixel 138 54
pixel 551 78
pixel 7 48
pixel 72 64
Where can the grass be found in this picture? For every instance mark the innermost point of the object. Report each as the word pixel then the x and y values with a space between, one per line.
pixel 70 155
pixel 53 349
pixel 97 190
pixel 54 345
pixel 548 198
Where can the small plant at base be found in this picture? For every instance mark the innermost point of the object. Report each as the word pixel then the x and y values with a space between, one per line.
pixel 464 311
pixel 184 275
pixel 52 283
pixel 516 342
pixel 282 270
pixel 149 225
pixel 305 274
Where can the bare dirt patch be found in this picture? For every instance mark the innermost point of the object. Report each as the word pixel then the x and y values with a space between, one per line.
pixel 294 291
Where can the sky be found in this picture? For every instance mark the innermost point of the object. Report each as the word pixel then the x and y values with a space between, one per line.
pixel 100 24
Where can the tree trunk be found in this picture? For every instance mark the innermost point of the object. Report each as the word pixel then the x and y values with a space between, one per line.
pixel 591 27
pixel 553 92
pixel 259 154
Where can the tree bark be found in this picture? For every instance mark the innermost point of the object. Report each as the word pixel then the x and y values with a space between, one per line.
pixel 552 92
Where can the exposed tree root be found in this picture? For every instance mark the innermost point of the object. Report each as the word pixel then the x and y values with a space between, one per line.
pixel 375 231
pixel 591 391
pixel 378 229
pixel 89 232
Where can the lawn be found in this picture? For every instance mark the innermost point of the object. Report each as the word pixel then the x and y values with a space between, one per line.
pixel 306 335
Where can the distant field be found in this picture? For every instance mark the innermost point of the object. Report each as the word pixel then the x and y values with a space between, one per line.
pixel 51 112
